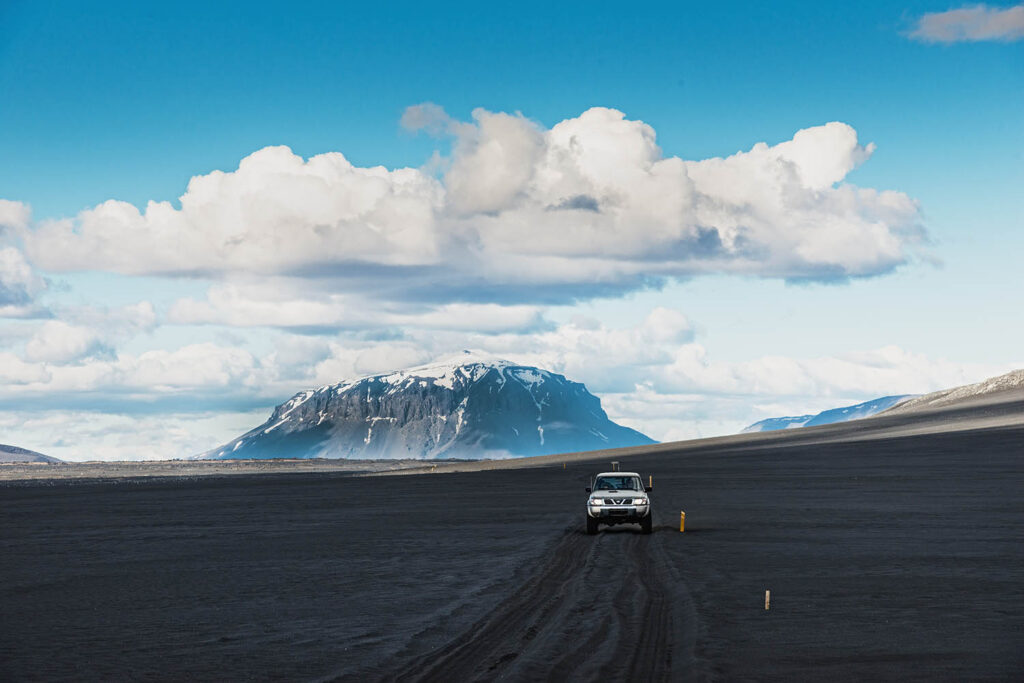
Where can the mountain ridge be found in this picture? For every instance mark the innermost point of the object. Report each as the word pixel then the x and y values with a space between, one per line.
pixel 17 454
pixel 830 416
pixel 991 387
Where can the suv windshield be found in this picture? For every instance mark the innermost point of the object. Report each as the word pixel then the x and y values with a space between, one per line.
pixel 618 484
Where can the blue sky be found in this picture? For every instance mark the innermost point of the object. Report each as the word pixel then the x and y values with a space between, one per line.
pixel 120 101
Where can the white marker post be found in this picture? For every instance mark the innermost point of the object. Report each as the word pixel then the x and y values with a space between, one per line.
pixel 767 599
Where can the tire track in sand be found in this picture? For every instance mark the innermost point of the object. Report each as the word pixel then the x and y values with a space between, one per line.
pixel 649 614
pixel 556 626
pixel 490 645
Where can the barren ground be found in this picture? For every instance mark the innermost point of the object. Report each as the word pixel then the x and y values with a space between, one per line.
pixel 888 557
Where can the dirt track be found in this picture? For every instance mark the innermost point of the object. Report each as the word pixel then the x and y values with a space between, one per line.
pixel 597 609
pixel 895 559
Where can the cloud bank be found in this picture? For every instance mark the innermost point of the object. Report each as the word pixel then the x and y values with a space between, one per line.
pixel 971 24
pixel 653 376
pixel 519 214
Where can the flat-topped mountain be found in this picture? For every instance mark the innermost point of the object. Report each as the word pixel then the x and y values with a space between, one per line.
pixel 468 406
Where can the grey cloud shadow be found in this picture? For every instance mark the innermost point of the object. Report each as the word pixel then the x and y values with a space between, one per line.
pixel 580 202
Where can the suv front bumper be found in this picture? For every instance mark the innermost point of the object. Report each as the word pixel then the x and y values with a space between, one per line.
pixel 616 514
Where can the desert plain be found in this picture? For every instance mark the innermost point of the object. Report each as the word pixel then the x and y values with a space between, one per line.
pixel 891 547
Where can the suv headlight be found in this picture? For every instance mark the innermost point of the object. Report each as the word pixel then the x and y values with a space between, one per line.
pixel 595 501
pixel 639 501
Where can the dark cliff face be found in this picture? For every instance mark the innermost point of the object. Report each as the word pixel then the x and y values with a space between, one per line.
pixel 469 410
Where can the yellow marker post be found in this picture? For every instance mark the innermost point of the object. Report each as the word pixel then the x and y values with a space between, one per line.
pixel 650 480
pixel 682 521
pixel 767 598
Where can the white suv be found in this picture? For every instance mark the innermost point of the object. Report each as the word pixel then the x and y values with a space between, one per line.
pixel 618 498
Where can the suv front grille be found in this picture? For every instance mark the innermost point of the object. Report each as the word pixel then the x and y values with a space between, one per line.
pixel 618 501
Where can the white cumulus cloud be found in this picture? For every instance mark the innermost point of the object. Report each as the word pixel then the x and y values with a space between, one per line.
pixel 19 285
pixel 275 213
pixel 289 303
pixel 57 341
pixel 80 435
pixel 972 23
pixel 654 376
pixel 59 372
pixel 86 331
pixel 14 215
pixel 521 214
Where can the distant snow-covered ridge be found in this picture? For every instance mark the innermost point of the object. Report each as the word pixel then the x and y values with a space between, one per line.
pixel 844 414
pixel 467 406
pixel 1009 384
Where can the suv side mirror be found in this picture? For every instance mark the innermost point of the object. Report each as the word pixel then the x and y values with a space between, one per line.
pixel 588 489
pixel 648 489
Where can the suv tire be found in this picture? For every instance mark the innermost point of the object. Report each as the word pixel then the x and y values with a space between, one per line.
pixel 591 525
pixel 646 523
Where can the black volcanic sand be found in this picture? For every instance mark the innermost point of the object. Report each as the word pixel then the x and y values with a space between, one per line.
pixel 892 559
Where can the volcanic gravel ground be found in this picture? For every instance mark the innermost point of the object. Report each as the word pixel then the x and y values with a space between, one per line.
pixel 895 559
